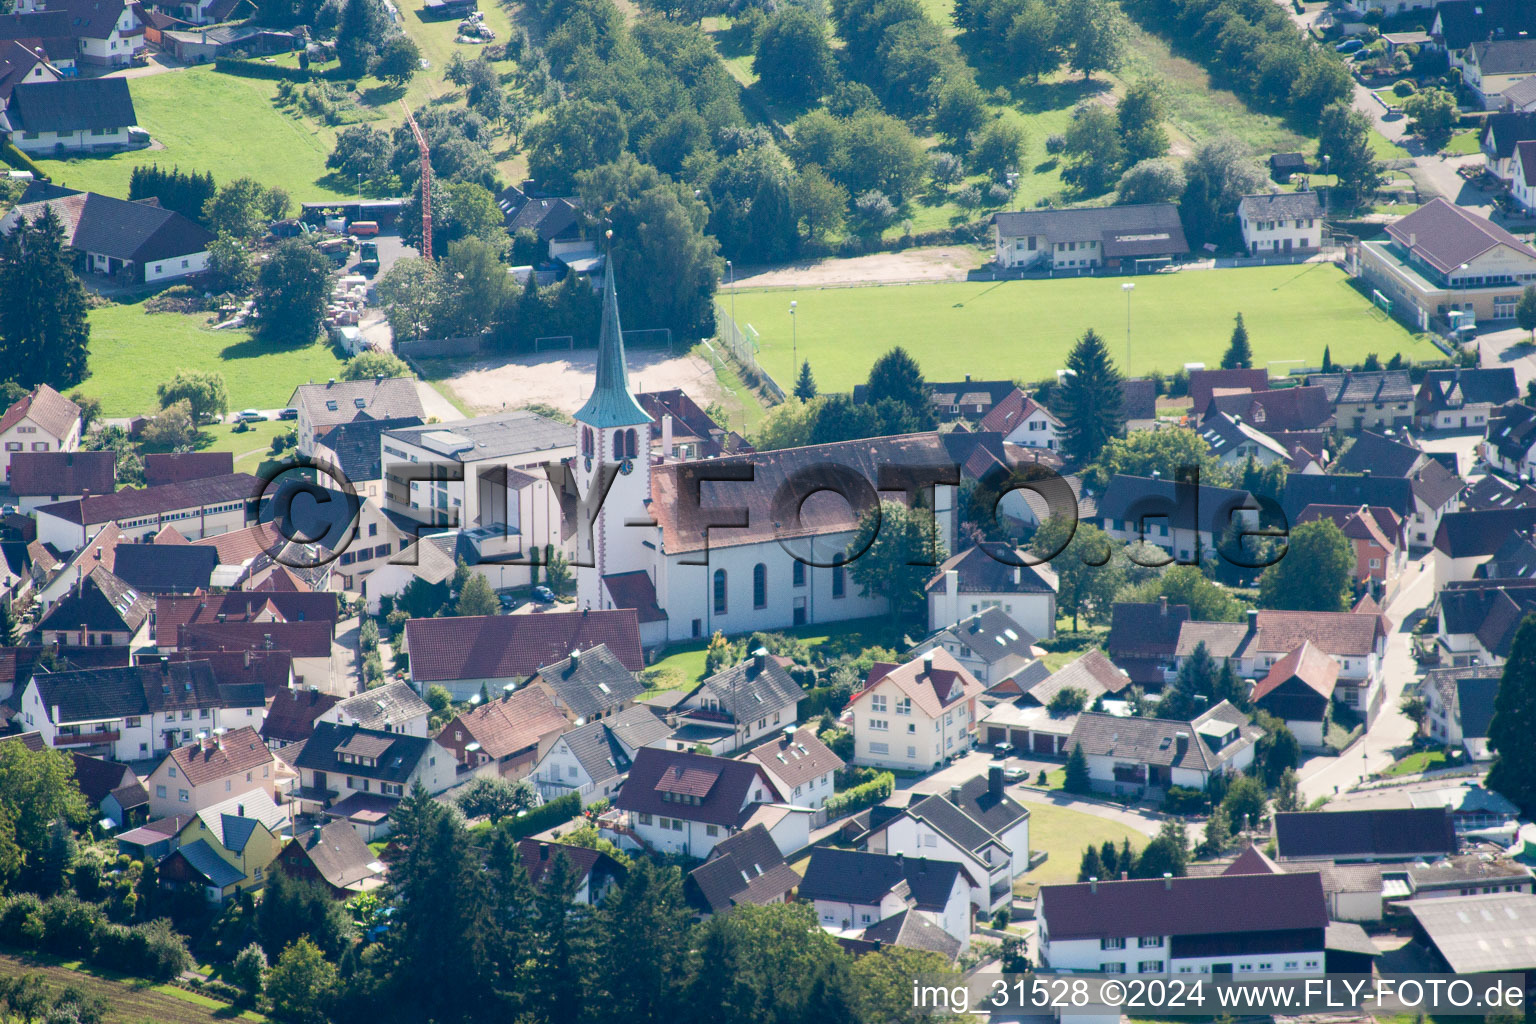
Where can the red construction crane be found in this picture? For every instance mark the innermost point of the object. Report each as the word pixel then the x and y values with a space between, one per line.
pixel 426 182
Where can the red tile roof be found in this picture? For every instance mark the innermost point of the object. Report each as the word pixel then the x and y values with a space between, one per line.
pixel 301 639
pixel 45 407
pixel 516 646
pixel 220 757
pixel 510 724
pixel 1307 664
pixel 34 474
pixel 934 686
pixel 1203 384
pixel 715 788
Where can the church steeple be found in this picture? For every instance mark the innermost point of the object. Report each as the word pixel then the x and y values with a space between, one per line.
pixel 612 404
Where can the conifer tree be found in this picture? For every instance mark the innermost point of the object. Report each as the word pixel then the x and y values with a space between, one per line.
pixel 1239 354
pixel 805 384
pixel 43 328
pixel 1514 722
pixel 1090 400
pixel 1078 780
pixel 1091 866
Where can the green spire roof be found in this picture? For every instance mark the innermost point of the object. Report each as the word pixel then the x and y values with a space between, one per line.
pixel 612 404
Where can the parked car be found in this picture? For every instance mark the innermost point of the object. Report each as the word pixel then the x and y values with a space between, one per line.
pixel 1003 749
pixel 1350 45
pixel 544 595
pixel 1015 773
pixel 363 228
pixel 249 416
pixel 507 602
pixel 289 413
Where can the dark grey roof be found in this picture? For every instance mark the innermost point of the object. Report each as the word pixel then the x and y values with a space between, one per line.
pixel 1197 905
pixel 1374 833
pixel 1451 389
pixel 911 930
pixel 72 104
pixel 137 502
pixel 991 634
pixel 1474 534
pixel 1378 454
pixel 749 689
pixel 1461 22
pixel 595 682
pixel 1138 399
pixel 1502 132
pixel 142 232
pixel 995 813
pixel 1303 489
pixel 746 868
pixel 1132 497
pixel 1149 229
pixel 1512 432
pixel 165 568
pixel 1280 206
pixel 338 853
pixel 217 871
pixel 846 876
pixel 394 755
pixel 92 695
pixel 1365 385
pixel 992 567
pixel 1155 741
pixel 489 437
pixel 600 746
pixel 1506 56
pixel 101 602
pixel 1435 485
pixel 356 445
pixel 1475 694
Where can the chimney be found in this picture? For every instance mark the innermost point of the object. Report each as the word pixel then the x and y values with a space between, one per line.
pixel 1181 743
pixel 954 795
pixel 1168 881
pixel 901 861
pixel 56 715
pixel 1125 876
pixel 760 658
pixel 1253 619
pixel 928 661
pixel 543 851
pixel 995 781
pixel 97 554
pixel 222 616
pixel 1162 605
pixel 1366 472
pixel 1093 883
pixel 331 383
pixel 1018 575
pixel 666 436
pixel 239 810
pixel 1413 239
pixel 575 659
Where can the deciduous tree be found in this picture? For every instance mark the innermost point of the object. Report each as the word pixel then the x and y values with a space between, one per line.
pixel 291 291
pixel 1316 572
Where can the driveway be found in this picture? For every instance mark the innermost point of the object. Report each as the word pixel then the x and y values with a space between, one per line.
pixel 1509 346
pixel 1327 776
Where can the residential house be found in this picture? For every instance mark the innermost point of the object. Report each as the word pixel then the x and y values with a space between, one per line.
pixel 1460 398
pixel 110 787
pixel 22 63
pixel 178 467
pixel 1280 223
pixel 44 421
pixel 1368 399
pixel 262 606
pixel 313 656
pixel 323 406
pixel 916 715
pixel 1031 726
pixel 514 732
pixel 228 847
pixel 1186 520
pixel 1377 536
pixel 467 652
pixel 1350 489
pixel 132 242
pixel 1493 65
pixel 691 433
pixel 1086 239
pixel 976 825
pixel 1378 834
pixel 1133 755
pixel 197 508
pixel 1282 409
pixel 1458 24
pixel 595 872
pixel 358 775
pixel 1511 441
pixel 680 802
pixel 744 870
pixel 1299 691
pixel 334 855
pixel 99 611
pixel 41 478
pixel 1465 541
pixel 209 771
pixel 1499 135
pixel 557 221
pixel 292 714
pixel 1460 702
pixel 1519 98
pixel 1207 384
pixel 134 713
pixel 962 399
pixel 1215 924
pixel 1442 259
pixel 992 574
pixel 393 707
pixel 160 569
pixel 1235 442
pixel 152 841
pixel 1522 182
pixel 1024 422
pixel 988 644
pixel 852 891
pixel 71 115
pixel 590 684
pixel 594 759
pixel 1495 492
pixel 803 769
pixel 1138 403
pixel 1143 639
pixel 1478 618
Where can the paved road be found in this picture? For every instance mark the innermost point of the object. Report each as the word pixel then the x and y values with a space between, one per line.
pixel 1509 347
pixel 1325 776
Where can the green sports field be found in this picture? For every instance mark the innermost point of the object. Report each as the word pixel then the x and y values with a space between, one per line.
pixel 1023 329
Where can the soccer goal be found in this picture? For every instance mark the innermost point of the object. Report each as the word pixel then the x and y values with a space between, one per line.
pixel 653 337
pixel 550 341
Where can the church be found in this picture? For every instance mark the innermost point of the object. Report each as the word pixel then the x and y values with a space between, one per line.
pixel 735 544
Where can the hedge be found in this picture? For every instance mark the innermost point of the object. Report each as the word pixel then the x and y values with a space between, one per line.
pixel 69 927
pixel 555 812
pixel 19 160
pixel 861 796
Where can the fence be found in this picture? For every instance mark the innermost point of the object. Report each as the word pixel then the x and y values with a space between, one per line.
pixel 438 348
pixel 743 348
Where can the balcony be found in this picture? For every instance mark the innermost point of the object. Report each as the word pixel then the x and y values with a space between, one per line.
pixel 86 739
pixel 706 715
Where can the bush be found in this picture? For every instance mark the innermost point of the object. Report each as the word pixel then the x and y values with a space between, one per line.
pixel 1404 88
pixel 21 921
pixel 69 926
pixel 861 796
pixel 1055 143
pixel 1182 800
pixel 556 812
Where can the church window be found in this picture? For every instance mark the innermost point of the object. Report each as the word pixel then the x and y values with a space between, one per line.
pixel 759 585
pixel 629 443
pixel 719 591
pixel 618 444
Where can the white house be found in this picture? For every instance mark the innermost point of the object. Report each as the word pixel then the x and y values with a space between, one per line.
pixel 1212 924
pixel 738 706
pixel 594 759
pixel 1134 755
pixel 1279 223
pixel 1023 421
pixel 1186 521
pixel 1460 704
pixel 74 115
pixel 194 508
pixel 989 645
pixel 358 775
pixel 852 891
pixel 991 574
pixel 393 707
pixel 916 715
pixel 138 712
pixel 44 421
pixel 1491 66
pixel 976 825
pixel 1522 186
pixel 323 406
pixel 1086 239
pixel 802 768
pixel 680 802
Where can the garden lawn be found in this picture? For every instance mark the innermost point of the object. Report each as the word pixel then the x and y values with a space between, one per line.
pixel 128 1001
pixel 209 121
pixel 1023 329
pixel 133 351
pixel 1419 761
pixel 1065 834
